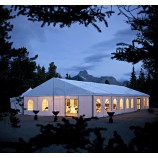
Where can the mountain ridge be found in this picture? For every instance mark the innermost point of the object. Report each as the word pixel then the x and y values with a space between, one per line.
pixel 84 76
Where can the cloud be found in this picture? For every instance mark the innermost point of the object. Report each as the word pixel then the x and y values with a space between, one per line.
pixel 125 32
pixel 95 58
pixel 125 35
pixel 85 66
pixel 25 32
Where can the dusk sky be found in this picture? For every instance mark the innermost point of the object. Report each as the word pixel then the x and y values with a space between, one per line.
pixel 76 48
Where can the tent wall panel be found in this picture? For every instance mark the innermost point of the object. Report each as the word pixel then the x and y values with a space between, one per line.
pixel 35 104
pixel 46 112
pixel 103 103
pixel 145 102
pixel 59 105
pixel 121 106
pixel 85 106
pixel 113 99
pixel 98 106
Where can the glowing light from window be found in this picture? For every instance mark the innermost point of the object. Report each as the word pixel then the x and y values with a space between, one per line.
pixel 30 105
pixel 127 103
pixel 121 104
pixel 44 105
pixel 114 104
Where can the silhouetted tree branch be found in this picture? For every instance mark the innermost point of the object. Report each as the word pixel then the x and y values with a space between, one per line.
pixel 66 15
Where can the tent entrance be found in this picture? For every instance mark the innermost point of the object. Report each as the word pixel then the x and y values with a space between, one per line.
pixel 71 107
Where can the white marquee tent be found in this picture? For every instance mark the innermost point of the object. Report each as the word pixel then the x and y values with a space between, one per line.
pixel 75 98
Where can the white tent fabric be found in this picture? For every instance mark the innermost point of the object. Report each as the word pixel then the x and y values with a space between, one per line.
pixel 63 87
pixel 14 104
pixel 22 95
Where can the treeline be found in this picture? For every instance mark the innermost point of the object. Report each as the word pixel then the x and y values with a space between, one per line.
pixel 144 83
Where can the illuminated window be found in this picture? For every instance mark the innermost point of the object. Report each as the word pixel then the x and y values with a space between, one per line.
pixel 146 101
pixel 107 104
pixel 71 107
pixel 138 103
pixel 127 103
pixel 98 105
pixel 30 105
pixel 76 102
pixel 121 104
pixel 114 104
pixel 45 105
pixel 132 103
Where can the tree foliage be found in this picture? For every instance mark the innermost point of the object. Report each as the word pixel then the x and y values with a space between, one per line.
pixel 66 15
pixel 133 80
pixel 52 71
pixel 68 76
pixel 16 68
pixel 144 20
pixel 5 46
pixel 144 47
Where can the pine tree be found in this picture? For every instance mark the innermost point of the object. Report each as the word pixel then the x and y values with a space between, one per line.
pixel 68 77
pixel 133 80
pixel 107 82
pixel 40 76
pixel 141 81
pixel 16 68
pixel 52 71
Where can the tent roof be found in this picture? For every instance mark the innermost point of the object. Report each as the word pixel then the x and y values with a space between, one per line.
pixel 23 94
pixel 63 87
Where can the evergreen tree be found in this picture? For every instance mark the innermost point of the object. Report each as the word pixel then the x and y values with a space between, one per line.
pixel 144 47
pixel 141 81
pixel 52 71
pixel 5 45
pixel 133 80
pixel 68 77
pixel 40 75
pixel 16 68
pixel 6 85
pixel 107 82
pixel 22 69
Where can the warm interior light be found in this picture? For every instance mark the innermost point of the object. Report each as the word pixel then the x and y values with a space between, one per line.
pixel 121 104
pixel 107 104
pixel 98 105
pixel 127 103
pixel 44 105
pixel 30 105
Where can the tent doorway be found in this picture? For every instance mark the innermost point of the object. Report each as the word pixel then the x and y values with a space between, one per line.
pixel 71 107
pixel 138 104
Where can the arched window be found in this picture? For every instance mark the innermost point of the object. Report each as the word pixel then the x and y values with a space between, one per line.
pixel 132 103
pixel 127 103
pixel 121 104
pixel 44 105
pixel 30 105
pixel 114 104
pixel 107 104
pixel 98 105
